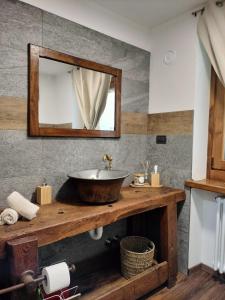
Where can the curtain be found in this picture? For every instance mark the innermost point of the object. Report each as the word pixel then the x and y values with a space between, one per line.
pixel 211 30
pixel 91 90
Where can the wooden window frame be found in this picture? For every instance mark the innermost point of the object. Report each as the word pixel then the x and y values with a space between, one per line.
pixel 215 161
pixel 37 52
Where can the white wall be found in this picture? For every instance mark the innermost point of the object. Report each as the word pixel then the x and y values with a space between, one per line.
pixel 185 85
pixel 91 15
pixel 202 228
pixel 172 87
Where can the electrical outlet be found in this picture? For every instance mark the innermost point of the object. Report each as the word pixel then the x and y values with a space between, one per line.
pixel 161 139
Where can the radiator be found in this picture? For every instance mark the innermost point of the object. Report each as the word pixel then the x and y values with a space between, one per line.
pixel 219 258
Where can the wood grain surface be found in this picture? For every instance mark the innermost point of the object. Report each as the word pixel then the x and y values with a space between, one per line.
pixel 60 220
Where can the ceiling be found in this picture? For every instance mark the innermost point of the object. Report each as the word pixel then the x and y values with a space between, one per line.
pixel 149 13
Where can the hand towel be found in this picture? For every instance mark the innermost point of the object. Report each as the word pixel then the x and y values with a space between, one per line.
pixel 1 220
pixel 23 206
pixel 9 216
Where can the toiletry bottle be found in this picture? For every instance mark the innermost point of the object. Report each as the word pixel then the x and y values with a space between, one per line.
pixel 44 194
pixel 155 177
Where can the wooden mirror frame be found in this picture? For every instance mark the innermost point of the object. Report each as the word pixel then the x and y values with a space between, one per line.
pixel 215 161
pixel 37 52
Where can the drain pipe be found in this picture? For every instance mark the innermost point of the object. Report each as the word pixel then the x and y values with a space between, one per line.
pixel 96 233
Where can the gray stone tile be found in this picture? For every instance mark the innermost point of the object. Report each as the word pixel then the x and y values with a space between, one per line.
pixel 19 155
pixel 183 248
pixel 11 58
pixel 81 247
pixel 67 155
pixel 135 95
pixel 69 37
pixel 133 61
pixel 20 24
pixel 177 153
pixel 175 161
pixel 13 72
pixel 25 185
pixel 13 82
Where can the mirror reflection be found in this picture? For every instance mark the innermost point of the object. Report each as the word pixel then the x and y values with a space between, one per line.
pixel 74 97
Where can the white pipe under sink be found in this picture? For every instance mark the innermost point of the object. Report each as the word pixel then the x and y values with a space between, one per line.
pixel 96 233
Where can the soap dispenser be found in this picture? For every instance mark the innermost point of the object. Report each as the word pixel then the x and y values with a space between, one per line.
pixel 44 194
pixel 155 177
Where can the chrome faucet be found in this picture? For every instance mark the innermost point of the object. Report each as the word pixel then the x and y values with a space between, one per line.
pixel 108 159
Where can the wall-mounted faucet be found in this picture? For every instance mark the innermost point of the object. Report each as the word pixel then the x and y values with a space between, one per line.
pixel 108 159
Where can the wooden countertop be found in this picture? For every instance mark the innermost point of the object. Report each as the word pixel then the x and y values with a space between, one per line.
pixel 60 220
pixel 207 185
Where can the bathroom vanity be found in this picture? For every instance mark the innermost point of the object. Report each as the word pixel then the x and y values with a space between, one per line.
pixel 19 243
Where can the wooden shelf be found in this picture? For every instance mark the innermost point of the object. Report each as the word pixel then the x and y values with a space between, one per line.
pixel 60 220
pixel 207 185
pixel 117 287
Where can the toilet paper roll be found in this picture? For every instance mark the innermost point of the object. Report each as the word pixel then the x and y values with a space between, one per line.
pixel 57 277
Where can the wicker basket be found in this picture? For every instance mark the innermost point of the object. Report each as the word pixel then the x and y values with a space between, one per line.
pixel 136 254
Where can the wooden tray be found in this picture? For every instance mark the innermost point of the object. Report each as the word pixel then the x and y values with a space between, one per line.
pixel 146 185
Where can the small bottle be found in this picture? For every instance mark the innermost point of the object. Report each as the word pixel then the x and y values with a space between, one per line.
pixel 44 194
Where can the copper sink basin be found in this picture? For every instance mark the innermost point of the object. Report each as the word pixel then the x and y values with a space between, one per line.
pixel 98 186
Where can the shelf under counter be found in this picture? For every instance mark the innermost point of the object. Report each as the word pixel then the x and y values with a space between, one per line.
pixel 207 185
pixel 112 285
pixel 61 220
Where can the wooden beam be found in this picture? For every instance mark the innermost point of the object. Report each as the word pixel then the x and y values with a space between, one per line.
pixel 13 116
pixel 13 113
pixel 23 256
pixel 179 122
pixel 133 288
pixel 168 240
pixel 134 123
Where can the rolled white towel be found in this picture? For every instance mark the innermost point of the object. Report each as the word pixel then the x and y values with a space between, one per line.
pixel 9 216
pixel 23 206
pixel 1 220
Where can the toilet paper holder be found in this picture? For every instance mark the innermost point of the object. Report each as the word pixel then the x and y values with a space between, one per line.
pixel 29 281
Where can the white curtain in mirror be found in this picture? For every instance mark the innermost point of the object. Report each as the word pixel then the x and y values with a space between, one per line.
pixel 211 29
pixel 91 89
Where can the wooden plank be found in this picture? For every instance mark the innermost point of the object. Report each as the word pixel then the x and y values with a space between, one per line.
pixel 199 285
pixel 134 123
pixel 133 288
pixel 207 185
pixel 215 157
pixel 23 256
pixel 60 220
pixel 13 116
pixel 13 113
pixel 62 125
pixel 168 240
pixel 179 122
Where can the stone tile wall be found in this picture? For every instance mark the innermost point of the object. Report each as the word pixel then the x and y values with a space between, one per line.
pixel 175 161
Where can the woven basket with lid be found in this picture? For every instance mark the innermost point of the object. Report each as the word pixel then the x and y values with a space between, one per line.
pixel 136 254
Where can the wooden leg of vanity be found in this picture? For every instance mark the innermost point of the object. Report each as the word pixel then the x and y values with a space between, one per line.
pixel 22 256
pixel 168 240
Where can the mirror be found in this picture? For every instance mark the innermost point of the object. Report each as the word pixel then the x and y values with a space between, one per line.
pixel 70 96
